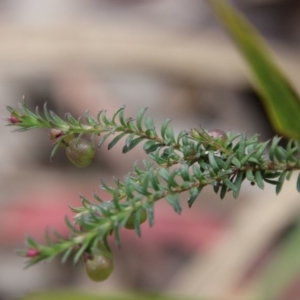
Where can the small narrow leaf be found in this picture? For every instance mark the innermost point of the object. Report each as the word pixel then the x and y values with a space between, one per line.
pixel 169 134
pixel 173 199
pixel 223 192
pixel 236 162
pixel 149 124
pixel 79 252
pixel 139 119
pixel 259 179
pixel 262 147
pixel 229 184
pixel 238 183
pixel 280 154
pixel 69 118
pixel 194 193
pixel 242 146
pixel 121 117
pixel 164 127
pixel 55 148
pixel 102 139
pixel 280 182
pixel 164 173
pixel 184 172
pixel 250 176
pixel 132 144
pixel 115 140
pixel 46 112
pixel 274 145
pixel 57 120
pixel 129 139
pixel 151 146
pixel 66 255
pixel 117 237
pixel 118 112
pixel 216 187
pixel 212 161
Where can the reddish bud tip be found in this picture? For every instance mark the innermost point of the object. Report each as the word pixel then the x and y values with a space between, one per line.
pixel 55 134
pixel 13 120
pixel 32 253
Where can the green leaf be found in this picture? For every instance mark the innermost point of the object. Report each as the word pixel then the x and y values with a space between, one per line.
pixel 261 148
pixel 212 161
pixel 173 199
pixel 259 179
pixel 194 193
pixel 70 119
pixel 129 139
pixel 132 144
pixel 164 127
pixel 102 139
pixel 274 145
pixel 118 112
pixel 238 183
pixel 46 112
pixel 181 135
pixel 57 120
pixel 298 183
pixel 139 119
pixel 280 154
pixel 216 187
pixel 151 146
pixel 230 185
pixel 228 161
pixel 278 95
pixel 169 134
pixel 115 140
pixel 150 124
pixel 280 182
pixel 223 192
pixel 55 148
pixel 250 176
pixel 236 162
pixel 164 173
pixel 66 255
pixel 121 117
pixel 184 172
pixel 242 146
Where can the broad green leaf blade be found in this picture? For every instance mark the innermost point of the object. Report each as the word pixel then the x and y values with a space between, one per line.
pixel 279 97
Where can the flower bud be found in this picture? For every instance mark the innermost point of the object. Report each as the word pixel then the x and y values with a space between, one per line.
pixel 218 134
pixel 13 120
pixel 54 134
pixel 32 253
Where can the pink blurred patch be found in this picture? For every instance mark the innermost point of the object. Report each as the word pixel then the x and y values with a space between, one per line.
pixel 33 213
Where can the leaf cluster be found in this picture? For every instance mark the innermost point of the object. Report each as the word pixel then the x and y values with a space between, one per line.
pixel 177 163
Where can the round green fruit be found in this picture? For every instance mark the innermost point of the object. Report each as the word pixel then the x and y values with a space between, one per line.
pixel 130 222
pixel 81 152
pixel 99 265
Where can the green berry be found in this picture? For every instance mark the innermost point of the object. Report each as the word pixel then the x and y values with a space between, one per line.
pixel 99 265
pixel 81 152
pixel 130 222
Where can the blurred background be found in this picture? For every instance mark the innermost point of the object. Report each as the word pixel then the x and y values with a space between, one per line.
pixel 172 57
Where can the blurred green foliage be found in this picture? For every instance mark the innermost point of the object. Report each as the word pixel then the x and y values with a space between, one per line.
pixel 279 97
